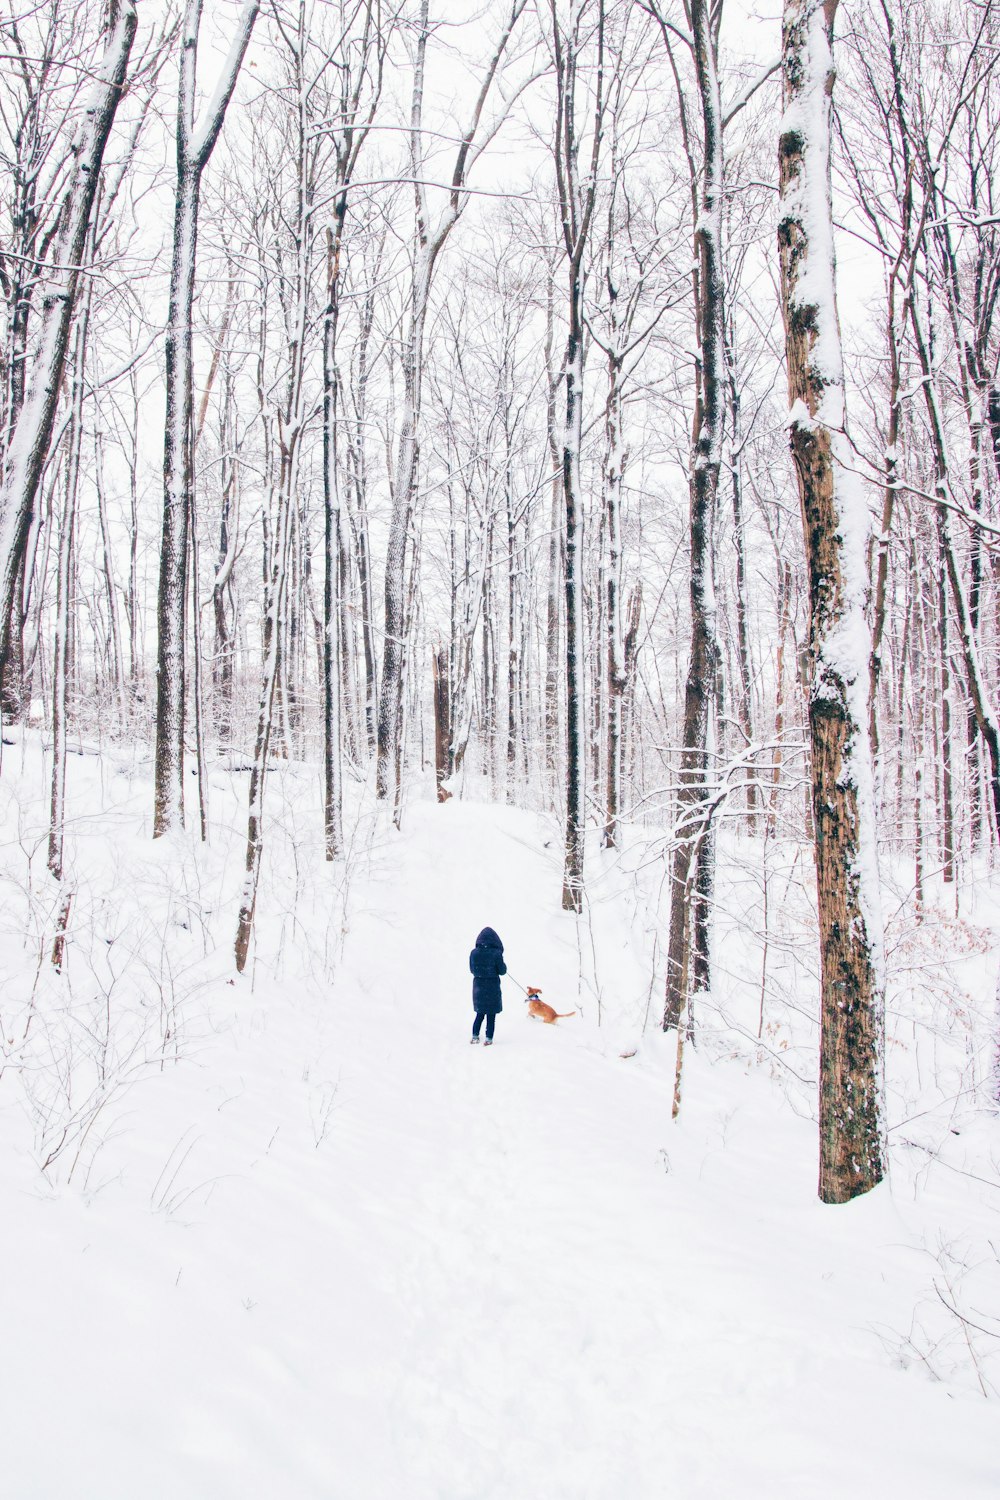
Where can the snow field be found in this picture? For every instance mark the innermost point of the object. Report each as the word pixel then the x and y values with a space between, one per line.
pixel 334 1251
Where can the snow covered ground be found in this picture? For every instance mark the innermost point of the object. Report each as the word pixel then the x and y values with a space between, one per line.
pixel 297 1240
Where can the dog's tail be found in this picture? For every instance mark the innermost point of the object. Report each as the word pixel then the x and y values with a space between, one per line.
pixel 561 1015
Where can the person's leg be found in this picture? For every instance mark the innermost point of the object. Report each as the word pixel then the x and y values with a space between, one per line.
pixel 477 1025
pixel 491 1021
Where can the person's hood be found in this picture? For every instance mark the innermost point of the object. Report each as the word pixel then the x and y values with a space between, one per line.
pixel 488 939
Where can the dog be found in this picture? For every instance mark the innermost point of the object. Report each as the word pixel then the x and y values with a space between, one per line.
pixel 544 1012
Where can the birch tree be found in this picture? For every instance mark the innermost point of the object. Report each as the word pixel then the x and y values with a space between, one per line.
pixel 836 525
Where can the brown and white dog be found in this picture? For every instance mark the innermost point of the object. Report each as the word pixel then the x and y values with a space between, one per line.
pixel 544 1012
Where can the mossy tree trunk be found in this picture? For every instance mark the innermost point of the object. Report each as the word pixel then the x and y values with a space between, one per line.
pixel 836 524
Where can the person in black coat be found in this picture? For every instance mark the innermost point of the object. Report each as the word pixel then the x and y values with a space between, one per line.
pixel 486 964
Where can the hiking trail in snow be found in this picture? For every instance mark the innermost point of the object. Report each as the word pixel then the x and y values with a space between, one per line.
pixel 339 1254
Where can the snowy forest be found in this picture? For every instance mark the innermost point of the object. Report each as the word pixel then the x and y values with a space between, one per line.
pixel 531 464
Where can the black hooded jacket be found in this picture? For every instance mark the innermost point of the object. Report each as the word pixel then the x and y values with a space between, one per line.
pixel 486 964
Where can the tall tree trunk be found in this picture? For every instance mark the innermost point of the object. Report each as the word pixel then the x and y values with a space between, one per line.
pixel 358 506
pixel 514 572
pixel 117 663
pixel 442 723
pixel 177 479
pixel 690 887
pixel 14 690
pixel 556 550
pixel 744 695
pixel 61 675
pixel 403 501
pixel 614 645
pixel 223 660
pixel 979 693
pixel 63 645
pixel 132 594
pixel 836 526
pixel 572 895
pixel 784 612
pixel 947 806
pixel 194 148
pixel 361 45
pixel 577 197
pixel 201 759
pixel 405 479
pixel 273 632
pixel 900 290
pixel 333 794
pixel 31 437
pixel 918 673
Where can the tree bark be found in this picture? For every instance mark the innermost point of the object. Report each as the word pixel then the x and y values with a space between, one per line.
pixel 690 886
pixel 836 527
pixel 744 695
pixel 31 435
pixel 63 645
pixel 577 197
pixel 614 644
pixel 442 723
pixel 194 148
pixel 333 793
pixel 273 621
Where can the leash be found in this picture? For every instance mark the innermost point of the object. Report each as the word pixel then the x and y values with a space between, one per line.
pixel 514 981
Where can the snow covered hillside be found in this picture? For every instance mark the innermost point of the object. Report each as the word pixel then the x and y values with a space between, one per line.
pixel 297 1240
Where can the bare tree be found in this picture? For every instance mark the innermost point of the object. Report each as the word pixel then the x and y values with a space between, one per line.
pixel 924 209
pixel 195 143
pixel 628 300
pixel 836 525
pixel 31 410
pixel 575 37
pixel 691 873
pixel 359 59
pixel 431 237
